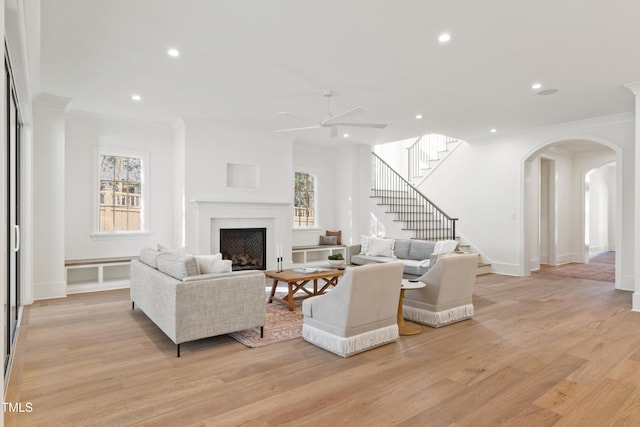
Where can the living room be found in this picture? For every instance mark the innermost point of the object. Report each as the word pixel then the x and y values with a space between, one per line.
pixel 241 67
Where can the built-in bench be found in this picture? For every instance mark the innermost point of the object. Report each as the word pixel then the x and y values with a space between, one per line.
pixel 97 274
pixel 315 254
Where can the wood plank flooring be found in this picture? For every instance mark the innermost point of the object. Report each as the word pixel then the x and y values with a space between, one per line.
pixel 540 351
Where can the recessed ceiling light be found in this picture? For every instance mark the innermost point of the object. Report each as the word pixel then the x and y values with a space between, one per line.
pixel 548 92
pixel 174 53
pixel 536 86
pixel 418 116
pixel 444 37
pixel 494 130
pixel 136 97
pixel 346 135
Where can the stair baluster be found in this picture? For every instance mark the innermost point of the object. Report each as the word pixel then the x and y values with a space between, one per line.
pixel 410 206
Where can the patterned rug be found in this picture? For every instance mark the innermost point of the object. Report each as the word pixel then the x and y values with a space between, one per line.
pixel 592 271
pixel 280 325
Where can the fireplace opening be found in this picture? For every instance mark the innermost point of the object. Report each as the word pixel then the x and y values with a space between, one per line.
pixel 245 247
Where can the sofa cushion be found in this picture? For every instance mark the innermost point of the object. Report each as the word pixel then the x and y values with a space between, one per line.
pixel 177 266
pixel 366 259
pixel 205 262
pixel 149 256
pixel 381 247
pixel 421 249
pixel 401 248
pixel 338 235
pixel 414 267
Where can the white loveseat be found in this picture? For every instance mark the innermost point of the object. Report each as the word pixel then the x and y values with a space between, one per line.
pixel 188 307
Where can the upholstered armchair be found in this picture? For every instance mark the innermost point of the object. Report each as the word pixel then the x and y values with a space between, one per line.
pixel 359 313
pixel 446 298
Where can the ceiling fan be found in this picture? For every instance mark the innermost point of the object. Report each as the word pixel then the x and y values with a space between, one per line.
pixel 331 121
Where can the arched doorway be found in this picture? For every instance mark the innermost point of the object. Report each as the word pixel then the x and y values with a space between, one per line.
pixel 558 202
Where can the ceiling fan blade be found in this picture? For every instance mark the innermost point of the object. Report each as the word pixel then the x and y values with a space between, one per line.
pixel 331 120
pixel 284 113
pixel 363 125
pixel 302 128
pixel 334 131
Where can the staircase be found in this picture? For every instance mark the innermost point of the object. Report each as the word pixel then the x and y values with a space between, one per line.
pixel 418 216
pixel 427 153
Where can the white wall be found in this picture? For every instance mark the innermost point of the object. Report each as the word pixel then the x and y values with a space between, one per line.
pixel 84 135
pixel 601 209
pixel 483 184
pixel 179 170
pixel 210 146
pixel 321 162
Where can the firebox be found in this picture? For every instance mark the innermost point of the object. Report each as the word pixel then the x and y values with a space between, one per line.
pixel 245 247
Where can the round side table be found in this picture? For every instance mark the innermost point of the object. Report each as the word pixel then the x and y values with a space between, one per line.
pixel 406 327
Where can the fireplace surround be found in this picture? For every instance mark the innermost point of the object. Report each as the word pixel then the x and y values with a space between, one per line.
pixel 209 217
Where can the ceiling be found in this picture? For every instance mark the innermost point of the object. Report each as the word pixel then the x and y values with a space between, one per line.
pixel 241 62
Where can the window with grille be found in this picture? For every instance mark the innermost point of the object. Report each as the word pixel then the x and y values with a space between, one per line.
pixel 304 207
pixel 120 207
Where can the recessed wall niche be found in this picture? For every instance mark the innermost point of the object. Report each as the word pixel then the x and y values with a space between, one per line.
pixel 242 176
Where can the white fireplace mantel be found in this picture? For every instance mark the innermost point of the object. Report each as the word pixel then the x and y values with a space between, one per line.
pixel 276 217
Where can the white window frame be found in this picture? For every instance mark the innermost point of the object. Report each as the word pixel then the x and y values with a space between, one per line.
pixel 315 199
pixel 144 196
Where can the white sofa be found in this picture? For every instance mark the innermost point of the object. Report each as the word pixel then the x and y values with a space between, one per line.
pixel 417 256
pixel 188 307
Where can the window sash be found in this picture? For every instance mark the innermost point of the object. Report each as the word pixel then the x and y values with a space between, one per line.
pixel 120 199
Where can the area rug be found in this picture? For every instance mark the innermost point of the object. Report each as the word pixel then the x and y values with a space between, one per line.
pixel 591 271
pixel 280 325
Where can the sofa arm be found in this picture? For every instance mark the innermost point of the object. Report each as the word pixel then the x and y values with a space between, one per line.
pixel 352 250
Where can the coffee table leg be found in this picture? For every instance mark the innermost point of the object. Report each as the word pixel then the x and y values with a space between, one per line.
pixel 290 296
pixel 273 290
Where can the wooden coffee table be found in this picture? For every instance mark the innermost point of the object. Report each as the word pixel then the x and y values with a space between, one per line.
pixel 298 282
pixel 404 326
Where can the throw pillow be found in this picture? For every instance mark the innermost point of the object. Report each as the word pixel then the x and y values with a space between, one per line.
pixel 328 240
pixel 338 235
pixel 445 246
pixel 167 249
pixel 149 256
pixel 177 266
pixel 365 243
pixel 221 266
pixel 381 247
pixel 205 262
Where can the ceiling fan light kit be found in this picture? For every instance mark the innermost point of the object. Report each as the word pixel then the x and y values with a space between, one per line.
pixel 331 121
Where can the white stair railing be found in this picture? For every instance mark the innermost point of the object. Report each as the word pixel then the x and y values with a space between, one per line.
pixel 423 154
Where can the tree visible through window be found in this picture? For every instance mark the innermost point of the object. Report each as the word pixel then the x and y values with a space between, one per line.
pixel 120 193
pixel 304 200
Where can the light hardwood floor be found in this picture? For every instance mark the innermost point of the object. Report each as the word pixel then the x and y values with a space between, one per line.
pixel 540 351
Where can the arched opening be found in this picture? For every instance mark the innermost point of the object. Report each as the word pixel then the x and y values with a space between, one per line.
pixel 570 208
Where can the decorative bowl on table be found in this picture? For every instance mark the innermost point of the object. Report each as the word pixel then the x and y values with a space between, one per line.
pixel 337 262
